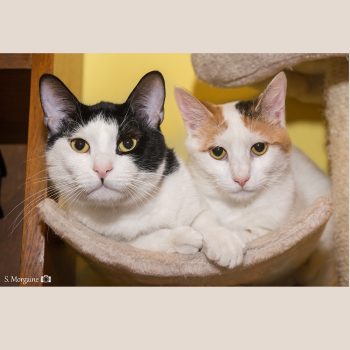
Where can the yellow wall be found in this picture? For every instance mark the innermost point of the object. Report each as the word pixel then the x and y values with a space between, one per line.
pixel 111 77
pixel 69 68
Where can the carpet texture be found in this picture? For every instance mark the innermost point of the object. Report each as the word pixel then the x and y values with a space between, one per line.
pixel 268 259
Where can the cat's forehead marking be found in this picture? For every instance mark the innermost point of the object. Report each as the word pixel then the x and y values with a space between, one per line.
pixel 273 134
pixel 243 121
pixel 256 123
pixel 213 126
pixel 247 108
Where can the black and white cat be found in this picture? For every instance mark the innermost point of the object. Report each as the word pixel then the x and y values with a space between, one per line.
pixel 114 172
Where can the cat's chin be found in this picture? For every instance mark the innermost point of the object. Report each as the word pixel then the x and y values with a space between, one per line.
pixel 105 196
pixel 242 195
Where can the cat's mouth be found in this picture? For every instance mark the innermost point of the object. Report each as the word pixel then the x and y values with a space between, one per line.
pixel 100 188
pixel 242 191
pixel 245 190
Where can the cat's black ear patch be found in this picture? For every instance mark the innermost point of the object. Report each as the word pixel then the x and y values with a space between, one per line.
pixel 147 99
pixel 57 102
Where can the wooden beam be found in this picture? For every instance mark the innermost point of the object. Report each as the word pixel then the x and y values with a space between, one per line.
pixel 34 231
pixel 15 61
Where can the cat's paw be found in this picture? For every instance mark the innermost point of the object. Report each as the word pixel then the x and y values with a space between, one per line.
pixel 186 240
pixel 224 248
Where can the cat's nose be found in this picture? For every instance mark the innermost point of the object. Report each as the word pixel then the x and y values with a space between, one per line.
pixel 103 169
pixel 241 180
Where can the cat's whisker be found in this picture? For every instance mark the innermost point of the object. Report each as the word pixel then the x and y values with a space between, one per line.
pixel 136 197
pixel 27 209
pixel 35 197
pixel 36 174
pixel 44 190
pixel 143 192
pixel 70 198
pixel 36 157
pixel 26 199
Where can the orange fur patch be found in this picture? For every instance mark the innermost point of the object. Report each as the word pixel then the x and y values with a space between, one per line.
pixel 214 125
pixel 273 134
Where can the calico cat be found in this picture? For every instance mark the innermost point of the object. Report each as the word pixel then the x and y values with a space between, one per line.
pixel 253 179
pixel 114 172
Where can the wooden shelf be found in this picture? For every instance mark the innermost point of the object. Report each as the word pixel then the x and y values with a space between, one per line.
pixel 15 61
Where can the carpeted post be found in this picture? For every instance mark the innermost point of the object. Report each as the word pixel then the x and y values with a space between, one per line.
pixel 337 114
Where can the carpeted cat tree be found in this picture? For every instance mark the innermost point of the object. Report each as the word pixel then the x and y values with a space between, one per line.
pixel 271 258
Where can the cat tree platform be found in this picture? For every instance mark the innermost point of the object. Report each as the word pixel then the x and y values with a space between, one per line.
pixel 267 260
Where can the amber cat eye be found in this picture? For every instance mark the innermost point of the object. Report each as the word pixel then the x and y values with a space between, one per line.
pixel 259 148
pixel 127 145
pixel 218 152
pixel 79 145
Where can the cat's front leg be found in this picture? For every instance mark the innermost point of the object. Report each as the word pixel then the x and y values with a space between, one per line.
pixel 184 240
pixel 220 244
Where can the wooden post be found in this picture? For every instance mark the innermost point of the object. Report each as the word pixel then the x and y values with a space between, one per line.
pixel 33 240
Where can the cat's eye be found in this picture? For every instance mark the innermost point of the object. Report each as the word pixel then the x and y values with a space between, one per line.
pixel 218 152
pixel 259 148
pixel 79 145
pixel 127 145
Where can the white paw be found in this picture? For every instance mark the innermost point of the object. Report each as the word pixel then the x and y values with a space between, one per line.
pixel 223 247
pixel 186 240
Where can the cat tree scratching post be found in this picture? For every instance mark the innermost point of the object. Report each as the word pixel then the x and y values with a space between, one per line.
pixel 337 106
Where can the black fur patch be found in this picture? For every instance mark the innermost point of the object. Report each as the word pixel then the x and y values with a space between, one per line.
pixel 151 149
pixel 248 108
pixel 171 162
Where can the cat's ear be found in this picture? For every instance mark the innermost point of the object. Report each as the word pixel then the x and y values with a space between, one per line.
pixel 271 103
pixel 57 102
pixel 193 111
pixel 147 98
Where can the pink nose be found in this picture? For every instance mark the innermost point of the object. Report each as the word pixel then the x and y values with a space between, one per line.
pixel 103 170
pixel 241 180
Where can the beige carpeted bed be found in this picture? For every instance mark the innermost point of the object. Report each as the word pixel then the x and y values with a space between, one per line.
pixel 268 259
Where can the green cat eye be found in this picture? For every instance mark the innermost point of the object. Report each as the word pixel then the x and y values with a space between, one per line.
pixel 127 145
pixel 259 148
pixel 218 152
pixel 79 145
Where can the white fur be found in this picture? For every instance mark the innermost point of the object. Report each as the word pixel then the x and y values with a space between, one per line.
pixel 280 185
pixel 148 210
